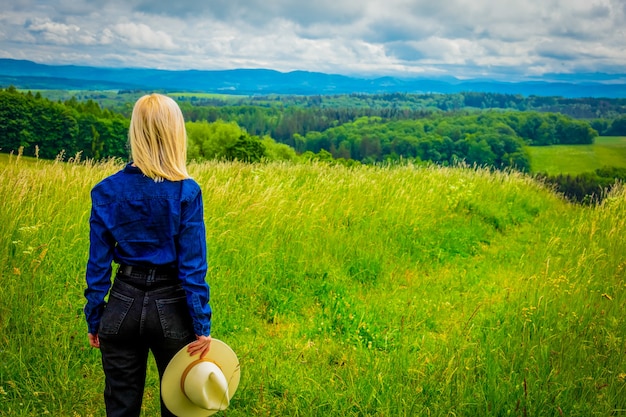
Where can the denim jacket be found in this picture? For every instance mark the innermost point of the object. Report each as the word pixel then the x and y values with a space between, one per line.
pixel 141 222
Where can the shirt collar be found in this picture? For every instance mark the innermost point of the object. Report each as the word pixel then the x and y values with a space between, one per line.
pixel 130 169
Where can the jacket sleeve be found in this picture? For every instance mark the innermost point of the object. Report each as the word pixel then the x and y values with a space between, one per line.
pixel 98 274
pixel 192 261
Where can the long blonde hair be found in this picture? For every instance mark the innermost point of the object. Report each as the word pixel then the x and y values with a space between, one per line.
pixel 158 139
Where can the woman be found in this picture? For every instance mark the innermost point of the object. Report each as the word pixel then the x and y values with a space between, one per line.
pixel 148 219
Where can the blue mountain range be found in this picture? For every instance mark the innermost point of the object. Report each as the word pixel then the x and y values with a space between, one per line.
pixel 30 75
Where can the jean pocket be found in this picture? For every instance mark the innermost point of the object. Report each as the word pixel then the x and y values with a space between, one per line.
pixel 174 317
pixel 115 312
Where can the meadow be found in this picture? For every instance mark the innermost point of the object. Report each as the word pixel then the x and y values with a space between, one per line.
pixel 577 159
pixel 363 291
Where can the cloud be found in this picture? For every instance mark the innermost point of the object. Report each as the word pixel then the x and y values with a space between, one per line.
pixel 140 35
pixel 50 32
pixel 371 37
pixel 254 12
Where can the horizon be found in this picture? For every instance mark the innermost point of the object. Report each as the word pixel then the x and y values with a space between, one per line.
pixel 582 77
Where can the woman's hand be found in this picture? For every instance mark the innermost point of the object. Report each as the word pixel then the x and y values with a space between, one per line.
pixel 94 341
pixel 201 345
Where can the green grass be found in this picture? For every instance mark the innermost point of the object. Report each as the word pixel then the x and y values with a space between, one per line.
pixel 576 159
pixel 361 291
pixel 201 95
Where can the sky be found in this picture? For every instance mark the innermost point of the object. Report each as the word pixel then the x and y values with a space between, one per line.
pixel 501 39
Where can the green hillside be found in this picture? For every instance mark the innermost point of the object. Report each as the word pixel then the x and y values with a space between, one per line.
pixel 577 159
pixel 361 291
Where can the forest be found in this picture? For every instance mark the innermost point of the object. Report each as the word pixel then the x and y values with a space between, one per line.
pixel 480 129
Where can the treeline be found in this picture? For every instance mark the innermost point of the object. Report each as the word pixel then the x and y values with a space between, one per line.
pixel 282 118
pixel 587 108
pixel 35 126
pixel 588 187
pixel 283 122
pixel 615 127
pixel 361 133
pixel 489 138
pixel 44 128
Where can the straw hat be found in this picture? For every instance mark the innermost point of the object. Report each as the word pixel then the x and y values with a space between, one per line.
pixel 194 387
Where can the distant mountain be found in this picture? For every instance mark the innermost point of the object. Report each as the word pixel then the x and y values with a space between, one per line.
pixel 30 75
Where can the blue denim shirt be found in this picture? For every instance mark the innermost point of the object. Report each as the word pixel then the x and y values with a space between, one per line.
pixel 138 221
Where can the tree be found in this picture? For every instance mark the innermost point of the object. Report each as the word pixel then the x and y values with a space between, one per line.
pixel 278 151
pixel 479 152
pixel 576 132
pixel 211 140
pixel 246 148
pixel 618 127
pixel 370 148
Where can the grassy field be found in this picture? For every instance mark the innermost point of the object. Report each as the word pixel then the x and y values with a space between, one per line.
pixel 200 95
pixel 111 97
pixel 576 159
pixel 345 291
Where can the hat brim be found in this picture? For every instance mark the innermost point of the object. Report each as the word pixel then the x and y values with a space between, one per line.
pixel 171 391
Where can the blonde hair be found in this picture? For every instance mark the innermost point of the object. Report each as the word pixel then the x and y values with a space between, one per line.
pixel 158 139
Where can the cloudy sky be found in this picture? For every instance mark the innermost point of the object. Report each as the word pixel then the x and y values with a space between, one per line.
pixel 462 38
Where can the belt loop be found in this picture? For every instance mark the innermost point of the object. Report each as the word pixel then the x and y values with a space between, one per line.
pixel 151 275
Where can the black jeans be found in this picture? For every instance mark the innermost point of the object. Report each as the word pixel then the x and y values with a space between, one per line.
pixel 139 318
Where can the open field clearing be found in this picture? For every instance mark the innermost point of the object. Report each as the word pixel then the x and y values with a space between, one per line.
pixel 576 159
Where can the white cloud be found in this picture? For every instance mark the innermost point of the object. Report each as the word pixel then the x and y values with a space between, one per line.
pixel 140 35
pixel 59 33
